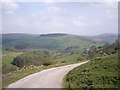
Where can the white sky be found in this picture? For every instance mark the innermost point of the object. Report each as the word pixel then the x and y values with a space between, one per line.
pixel 81 18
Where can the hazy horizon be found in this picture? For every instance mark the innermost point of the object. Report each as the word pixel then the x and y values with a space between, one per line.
pixel 78 18
pixel 64 33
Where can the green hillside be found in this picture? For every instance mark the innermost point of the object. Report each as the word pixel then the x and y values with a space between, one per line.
pixel 48 41
pixel 19 55
pixel 98 73
pixel 107 37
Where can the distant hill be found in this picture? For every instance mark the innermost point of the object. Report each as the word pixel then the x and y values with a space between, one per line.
pixel 107 37
pixel 53 35
pixel 56 41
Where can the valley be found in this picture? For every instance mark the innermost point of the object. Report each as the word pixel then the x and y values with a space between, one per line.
pixel 25 54
pixel 57 44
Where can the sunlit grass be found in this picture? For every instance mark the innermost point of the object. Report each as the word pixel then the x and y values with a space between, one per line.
pixel 98 73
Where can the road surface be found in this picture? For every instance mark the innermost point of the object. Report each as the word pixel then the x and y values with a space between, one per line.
pixel 49 78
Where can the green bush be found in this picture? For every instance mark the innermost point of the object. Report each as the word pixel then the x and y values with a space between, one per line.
pixel 80 59
pixel 63 61
pixel 46 63
pixel 32 58
pixel 8 68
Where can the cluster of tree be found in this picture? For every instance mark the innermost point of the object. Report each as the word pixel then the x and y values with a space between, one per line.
pixel 21 46
pixel 110 48
pixel 106 49
pixel 53 35
pixel 71 49
pixel 33 58
pixel 91 52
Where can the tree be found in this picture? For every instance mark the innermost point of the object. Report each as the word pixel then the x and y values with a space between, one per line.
pixel 32 58
pixel 93 48
pixel 92 51
pixel 21 46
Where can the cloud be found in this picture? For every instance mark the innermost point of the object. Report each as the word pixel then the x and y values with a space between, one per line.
pixel 105 4
pixel 9 12
pixel 53 24
pixel 110 0
pixel 17 22
pixel 20 24
pixel 54 9
pixel 80 21
pixel 111 4
pixel 10 7
pixel 39 13
pixel 47 2
pixel 112 15
pixel 0 27
pixel 83 22
pixel 77 18
pixel 48 11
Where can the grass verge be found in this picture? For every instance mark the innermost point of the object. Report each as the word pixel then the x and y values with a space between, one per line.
pixel 19 74
pixel 98 73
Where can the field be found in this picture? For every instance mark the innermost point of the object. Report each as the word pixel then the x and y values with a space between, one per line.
pixel 68 57
pixel 7 58
pixel 13 73
pixel 98 73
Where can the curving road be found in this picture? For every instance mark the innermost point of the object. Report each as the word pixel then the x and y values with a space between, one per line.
pixel 49 78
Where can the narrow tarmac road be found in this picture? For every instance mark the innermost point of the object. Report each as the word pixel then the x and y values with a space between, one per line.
pixel 49 78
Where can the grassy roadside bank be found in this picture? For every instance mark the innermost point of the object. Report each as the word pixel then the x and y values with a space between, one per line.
pixel 98 73
pixel 14 73
pixel 19 74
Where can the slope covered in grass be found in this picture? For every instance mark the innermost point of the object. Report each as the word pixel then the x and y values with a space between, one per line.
pixel 98 73
pixel 48 41
pixel 7 58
